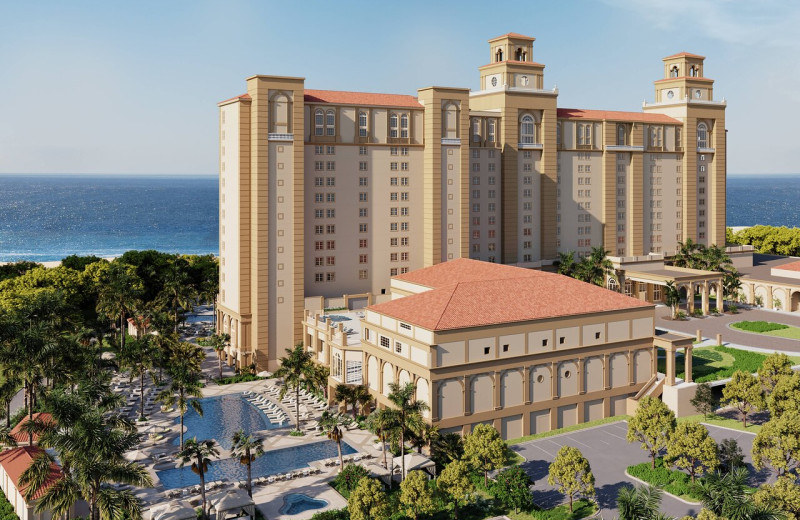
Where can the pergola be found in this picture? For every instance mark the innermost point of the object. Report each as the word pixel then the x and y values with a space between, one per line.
pixel 231 504
pixel 175 510
pixel 414 461
pixel 672 343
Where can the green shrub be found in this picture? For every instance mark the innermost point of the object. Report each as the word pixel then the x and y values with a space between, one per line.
pixel 241 378
pixel 347 480
pixel 672 481
pixel 759 326
pixel 332 514
pixel 582 509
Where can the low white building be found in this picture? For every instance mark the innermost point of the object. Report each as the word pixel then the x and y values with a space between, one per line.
pixel 13 463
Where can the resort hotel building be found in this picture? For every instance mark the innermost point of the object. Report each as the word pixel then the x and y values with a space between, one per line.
pixel 335 199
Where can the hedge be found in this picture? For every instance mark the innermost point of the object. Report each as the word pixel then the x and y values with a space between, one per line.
pixel 759 326
pixel 672 481
pixel 241 378
pixel 6 509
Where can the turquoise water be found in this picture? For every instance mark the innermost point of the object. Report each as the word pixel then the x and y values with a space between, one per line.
pixel 295 503
pixel 271 463
pixel 222 417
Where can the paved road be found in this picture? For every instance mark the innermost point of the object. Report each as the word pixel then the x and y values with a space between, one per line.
pixel 713 325
pixel 609 454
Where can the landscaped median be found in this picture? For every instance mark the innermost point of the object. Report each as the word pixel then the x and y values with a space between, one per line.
pixel 768 328
pixel 672 481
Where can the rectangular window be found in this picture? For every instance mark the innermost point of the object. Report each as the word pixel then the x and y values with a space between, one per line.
pixel 384 341
pixel 330 213
pixel 362 259
pixel 362 197
pixel 330 181
pixel 404 150
pixel 330 165
pixel 319 277
pixel 363 181
pixel 363 274
pixel 330 229
pixel 331 197
pixel 362 243
pixel 362 150
pixel 404 241
pixel 331 260
pixel 362 212
pixel 393 150
pixel 319 150
pixel 362 166
pixel 330 244
pixel 319 261
pixel 362 228
pixel 330 277
pixel 393 166
pixel 319 181
pixel 404 166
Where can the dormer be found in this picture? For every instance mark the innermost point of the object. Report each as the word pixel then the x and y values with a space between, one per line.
pixel 683 79
pixel 511 64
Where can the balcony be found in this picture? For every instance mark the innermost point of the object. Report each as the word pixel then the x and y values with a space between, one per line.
pixel 530 146
pixel 450 141
pixel 623 148
pixel 280 137
pixel 705 150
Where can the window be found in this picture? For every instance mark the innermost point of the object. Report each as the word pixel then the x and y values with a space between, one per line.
pixel 393 127
pixel 318 197
pixel 393 271
pixel 404 126
pixel 404 241
pixel 491 131
pixel 362 124
pixel 404 166
pixel 363 213
pixel 330 213
pixel 362 150
pixel 561 340
pixel 330 277
pixel 362 166
pixel 319 245
pixel 331 260
pixel 319 277
pixel 330 229
pixel 330 244
pixel 385 342
pixel 330 181
pixel 319 122
pixel 558 134
pixel 362 259
pixel 486 350
pixel 526 130
pixel 476 130
pixel 362 197
pixel 398 347
pixel 319 261
pixel 362 243
pixel 319 230
pixel 331 197
pixel 319 181
pixel 330 165
pixel 393 150
pixel 404 150
pixel 702 136
pixel 362 228
pixel 362 181
pixel 330 150
pixel 393 166
pixel 621 135
pixel 319 166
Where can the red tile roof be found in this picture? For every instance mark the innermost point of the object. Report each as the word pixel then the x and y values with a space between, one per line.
pixel 696 78
pixel 469 293
pixel 360 98
pixel 235 98
pixel 518 36
pixel 21 435
pixel 685 54
pixel 791 266
pixel 515 62
pixel 636 117
pixel 17 460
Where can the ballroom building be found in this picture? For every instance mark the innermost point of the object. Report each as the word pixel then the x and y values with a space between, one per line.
pixel 327 195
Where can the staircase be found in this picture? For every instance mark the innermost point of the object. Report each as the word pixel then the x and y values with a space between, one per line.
pixel 653 388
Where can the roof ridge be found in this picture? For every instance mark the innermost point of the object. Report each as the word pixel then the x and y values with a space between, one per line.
pixel 446 305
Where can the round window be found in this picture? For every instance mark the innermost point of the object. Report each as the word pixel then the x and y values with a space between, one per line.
pixel 670 94
pixel 540 378
pixel 567 374
pixel 494 81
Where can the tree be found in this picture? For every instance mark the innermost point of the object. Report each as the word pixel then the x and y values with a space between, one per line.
pixel 691 448
pixel 368 501
pixel 330 424
pixel 446 448
pixel 639 503
pixel 725 496
pixel 455 484
pixel 119 292
pixel 382 423
pixel 730 455
pixel 297 371
pixel 199 454
pixel 137 356
pixel 731 283
pixel 512 489
pixel 652 426
pixel 744 393
pixel 785 395
pixel 247 448
pixel 343 394
pixel 347 479
pixel 704 400
pixel 408 410
pixel 689 254
pixel 566 263
pixel 778 444
pixel 218 342
pixel 672 297
pixel 185 373
pixel 571 474
pixel 596 267
pixel 775 366
pixel 485 450
pixel 783 495
pixel 425 435
pixel 362 398
pixel 416 495
pixel 177 292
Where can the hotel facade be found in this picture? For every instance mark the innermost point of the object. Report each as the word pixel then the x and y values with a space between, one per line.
pixel 328 193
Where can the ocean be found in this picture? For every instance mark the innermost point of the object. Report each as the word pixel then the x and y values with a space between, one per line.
pixel 47 217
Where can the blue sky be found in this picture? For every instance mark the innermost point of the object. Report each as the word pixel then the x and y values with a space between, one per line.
pixel 132 87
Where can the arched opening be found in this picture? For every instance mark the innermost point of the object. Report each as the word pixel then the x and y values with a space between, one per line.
pixel 362 124
pixel 280 114
pixel 796 301
pixel 612 285
pixel 498 56
pixel 450 121
pixel 319 122
pixel 404 126
pixel 393 126
pixel 692 71
pixel 621 135
pixel 330 123
pixel 520 55
pixel 702 135
pixel 526 130
pixel 674 71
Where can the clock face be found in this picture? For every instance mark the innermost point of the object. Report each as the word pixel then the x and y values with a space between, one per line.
pixel 697 94
pixel 494 81
pixel 670 94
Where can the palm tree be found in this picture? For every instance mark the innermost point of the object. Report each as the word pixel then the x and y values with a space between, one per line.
pixel 330 423
pixel 731 283
pixel 343 394
pixel 248 449
pixel 409 411
pixel 297 371
pixel 363 398
pixel 199 453
pixel 672 298
pixel 424 436
pixel 446 448
pixel 596 267
pixel 178 292
pixel 689 254
pixel 639 503
pixel 566 263
pixel 119 293
pixel 138 357
pixel 381 423
pixel 218 342
pixel 8 389
pixel 319 380
pixel 185 373
pixel 726 495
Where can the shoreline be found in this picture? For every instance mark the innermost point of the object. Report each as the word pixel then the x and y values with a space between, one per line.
pixel 56 263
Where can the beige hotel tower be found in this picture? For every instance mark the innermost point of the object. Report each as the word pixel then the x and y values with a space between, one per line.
pixel 330 193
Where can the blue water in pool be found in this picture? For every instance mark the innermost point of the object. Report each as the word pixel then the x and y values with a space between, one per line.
pixel 295 503
pixel 336 318
pixel 271 463
pixel 222 417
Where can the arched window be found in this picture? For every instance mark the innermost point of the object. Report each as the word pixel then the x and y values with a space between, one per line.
pixel 674 71
pixel 404 126
pixel 393 126
pixel 613 285
pixel 451 121
pixel 362 124
pixel 330 123
pixel 526 130
pixel 319 122
pixel 702 136
pixel 692 71
pixel 499 55
pixel 585 134
pixel 520 55
pixel 491 131
pixel 621 135
pixel 280 114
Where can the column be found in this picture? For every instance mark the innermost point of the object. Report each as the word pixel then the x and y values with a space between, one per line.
pixel 434 400
pixel 630 367
pixel 687 368
pixel 497 380
pixel 768 303
pixel 606 372
pixel 467 397
pixel 526 387
pixel 705 298
pixel 579 375
pixel 690 298
pixel 554 380
pixel 752 297
pixel 670 368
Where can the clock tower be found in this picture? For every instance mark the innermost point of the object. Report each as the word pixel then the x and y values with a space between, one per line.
pixel 511 64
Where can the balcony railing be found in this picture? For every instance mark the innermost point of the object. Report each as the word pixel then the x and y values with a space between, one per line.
pixel 530 146
pixel 450 141
pixel 280 137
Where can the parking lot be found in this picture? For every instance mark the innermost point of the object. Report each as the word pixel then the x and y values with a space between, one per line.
pixel 609 454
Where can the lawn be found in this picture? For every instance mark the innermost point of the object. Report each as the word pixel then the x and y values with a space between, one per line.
pixel 672 481
pixel 768 328
pixel 718 362
pixel 716 420
pixel 568 429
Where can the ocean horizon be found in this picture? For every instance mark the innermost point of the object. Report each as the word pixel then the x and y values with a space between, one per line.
pixel 46 217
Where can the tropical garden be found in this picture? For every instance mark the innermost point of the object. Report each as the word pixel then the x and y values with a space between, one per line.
pixel 63 336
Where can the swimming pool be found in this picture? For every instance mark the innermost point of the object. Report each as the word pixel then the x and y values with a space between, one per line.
pixel 222 417
pixel 295 503
pixel 335 318
pixel 271 463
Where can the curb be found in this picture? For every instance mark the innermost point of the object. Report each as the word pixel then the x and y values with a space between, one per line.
pixel 679 499
pixel 727 428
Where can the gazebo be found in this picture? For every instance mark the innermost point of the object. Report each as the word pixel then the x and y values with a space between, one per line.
pixel 235 503
pixel 175 510
pixel 415 461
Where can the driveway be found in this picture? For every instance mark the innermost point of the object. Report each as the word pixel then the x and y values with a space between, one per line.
pixel 609 454
pixel 713 325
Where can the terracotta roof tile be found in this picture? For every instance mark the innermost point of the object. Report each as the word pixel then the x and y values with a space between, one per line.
pixel 15 461
pixel 791 266
pixel 696 78
pixel 491 294
pixel 686 55
pixel 514 62
pixel 360 98
pixel 235 98
pixel 612 115
pixel 513 35
pixel 20 435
